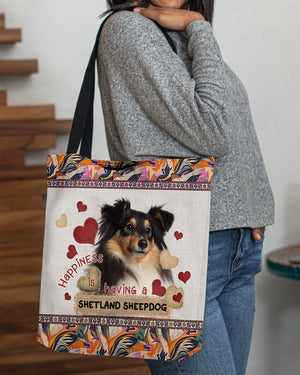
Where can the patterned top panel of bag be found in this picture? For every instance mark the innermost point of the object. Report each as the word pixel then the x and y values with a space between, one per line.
pixel 76 167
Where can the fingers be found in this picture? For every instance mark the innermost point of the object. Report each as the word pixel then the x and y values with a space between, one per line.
pixel 170 18
pixel 256 233
pixel 149 12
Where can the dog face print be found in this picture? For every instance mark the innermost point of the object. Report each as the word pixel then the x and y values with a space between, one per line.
pixel 131 242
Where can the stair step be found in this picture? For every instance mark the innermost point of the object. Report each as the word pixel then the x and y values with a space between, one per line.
pixel 30 311
pixel 33 362
pixel 23 177
pixel 9 240
pixel 27 142
pixel 21 326
pixel 35 126
pixel 20 196
pixel 29 112
pixel 11 281
pixel 22 188
pixel 17 251
pixel 8 67
pixel 20 266
pixel 2 21
pixel 44 361
pixel 25 294
pixel 40 360
pixel 8 36
pixel 13 343
pixel 32 202
pixel 24 173
pixel 24 221
pixel 14 160
pixel 3 98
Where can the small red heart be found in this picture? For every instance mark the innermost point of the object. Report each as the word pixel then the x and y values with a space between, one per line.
pixel 81 207
pixel 184 276
pixel 87 233
pixel 178 235
pixel 72 252
pixel 158 289
pixel 67 297
pixel 177 297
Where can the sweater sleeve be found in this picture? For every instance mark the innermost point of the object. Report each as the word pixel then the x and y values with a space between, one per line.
pixel 190 109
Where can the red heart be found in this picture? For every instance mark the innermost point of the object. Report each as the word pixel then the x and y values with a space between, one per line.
pixel 177 297
pixel 67 297
pixel 81 207
pixel 184 276
pixel 87 233
pixel 178 235
pixel 72 252
pixel 158 289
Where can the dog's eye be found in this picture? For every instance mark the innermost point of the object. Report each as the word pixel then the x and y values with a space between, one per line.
pixel 130 227
pixel 148 230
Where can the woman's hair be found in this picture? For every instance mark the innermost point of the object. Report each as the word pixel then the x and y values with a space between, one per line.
pixel 205 7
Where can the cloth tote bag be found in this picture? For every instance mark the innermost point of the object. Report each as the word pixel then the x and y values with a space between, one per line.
pixel 125 249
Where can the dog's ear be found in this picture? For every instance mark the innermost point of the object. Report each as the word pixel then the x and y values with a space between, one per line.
pixel 163 219
pixel 114 213
pixel 121 206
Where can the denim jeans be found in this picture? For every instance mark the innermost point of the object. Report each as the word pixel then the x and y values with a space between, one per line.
pixel 234 258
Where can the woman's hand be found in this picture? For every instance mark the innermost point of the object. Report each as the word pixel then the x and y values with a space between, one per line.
pixel 256 233
pixel 170 18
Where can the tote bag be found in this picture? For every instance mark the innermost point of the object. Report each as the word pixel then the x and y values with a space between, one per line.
pixel 125 249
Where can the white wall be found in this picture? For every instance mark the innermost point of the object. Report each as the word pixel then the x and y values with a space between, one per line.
pixel 260 41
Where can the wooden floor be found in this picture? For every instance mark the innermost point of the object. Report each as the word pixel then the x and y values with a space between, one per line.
pixel 20 267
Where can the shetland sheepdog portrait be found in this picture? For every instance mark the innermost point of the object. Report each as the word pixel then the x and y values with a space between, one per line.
pixel 131 242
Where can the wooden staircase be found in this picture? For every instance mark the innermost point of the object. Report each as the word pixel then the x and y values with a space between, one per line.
pixel 22 197
pixel 8 36
pixel 18 67
pixel 11 36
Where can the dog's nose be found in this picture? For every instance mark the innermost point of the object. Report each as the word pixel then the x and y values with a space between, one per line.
pixel 142 244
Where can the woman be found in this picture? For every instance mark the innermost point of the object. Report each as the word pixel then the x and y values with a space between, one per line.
pixel 159 104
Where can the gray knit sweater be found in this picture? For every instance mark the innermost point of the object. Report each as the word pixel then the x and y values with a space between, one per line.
pixel 158 104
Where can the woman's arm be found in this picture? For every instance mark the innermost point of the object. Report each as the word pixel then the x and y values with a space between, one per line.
pixel 190 109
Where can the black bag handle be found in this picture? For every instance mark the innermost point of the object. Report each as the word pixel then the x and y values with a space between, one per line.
pixel 82 125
